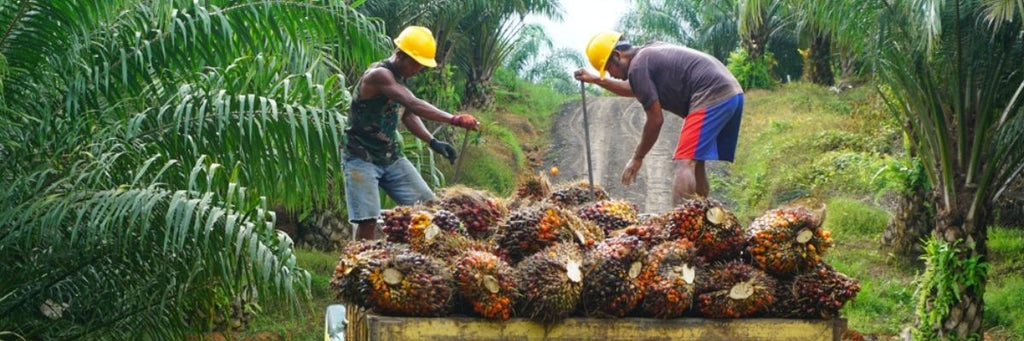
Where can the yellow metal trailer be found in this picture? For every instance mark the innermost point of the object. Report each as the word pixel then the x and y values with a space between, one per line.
pixel 362 325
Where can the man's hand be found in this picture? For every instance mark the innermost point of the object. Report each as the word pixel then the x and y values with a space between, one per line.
pixel 446 150
pixel 465 121
pixel 584 75
pixel 629 174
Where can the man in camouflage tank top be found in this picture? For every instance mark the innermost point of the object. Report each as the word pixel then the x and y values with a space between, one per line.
pixel 373 152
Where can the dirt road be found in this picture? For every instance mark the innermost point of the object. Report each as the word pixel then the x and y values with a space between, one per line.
pixel 615 126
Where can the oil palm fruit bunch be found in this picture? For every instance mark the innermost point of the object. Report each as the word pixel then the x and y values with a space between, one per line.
pixel 613 270
pixel 821 292
pixel 673 275
pixel 736 290
pixel 550 282
pixel 354 257
pixel 448 246
pixel 406 283
pixel 651 232
pixel 448 221
pixel 610 214
pixel 788 241
pixel 487 283
pixel 479 211
pixel 577 193
pixel 533 188
pixel 396 223
pixel 534 228
pixel 715 231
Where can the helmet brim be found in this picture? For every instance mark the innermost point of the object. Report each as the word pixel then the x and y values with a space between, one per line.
pixel 427 62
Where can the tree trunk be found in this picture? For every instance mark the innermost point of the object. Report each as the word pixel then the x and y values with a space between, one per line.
pixel 818 61
pixel 479 94
pixel 964 317
pixel 754 44
pixel 911 222
pixel 1010 205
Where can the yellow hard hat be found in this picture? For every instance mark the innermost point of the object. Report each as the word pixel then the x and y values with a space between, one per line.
pixel 418 42
pixel 600 48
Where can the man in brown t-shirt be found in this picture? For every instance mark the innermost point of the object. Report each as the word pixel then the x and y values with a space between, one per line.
pixel 686 82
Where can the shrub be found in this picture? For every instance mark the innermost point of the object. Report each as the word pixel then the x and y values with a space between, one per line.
pixel 752 73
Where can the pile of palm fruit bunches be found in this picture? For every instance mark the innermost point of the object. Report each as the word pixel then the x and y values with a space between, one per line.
pixel 551 252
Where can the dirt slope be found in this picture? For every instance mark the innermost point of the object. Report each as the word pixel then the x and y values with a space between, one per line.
pixel 615 127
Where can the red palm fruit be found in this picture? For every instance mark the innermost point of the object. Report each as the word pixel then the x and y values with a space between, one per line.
pixel 550 282
pixel 736 290
pixel 609 214
pixel 406 283
pixel 576 194
pixel 651 232
pixel 479 211
pixel 671 279
pixel 533 188
pixel 448 221
pixel 448 246
pixel 613 267
pixel 396 224
pixel 821 292
pixel 715 231
pixel 788 241
pixel 487 283
pixel 346 282
pixel 532 229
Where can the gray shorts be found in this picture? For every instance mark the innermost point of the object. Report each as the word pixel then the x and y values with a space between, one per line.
pixel 400 181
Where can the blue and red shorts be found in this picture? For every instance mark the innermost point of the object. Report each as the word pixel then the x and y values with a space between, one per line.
pixel 711 133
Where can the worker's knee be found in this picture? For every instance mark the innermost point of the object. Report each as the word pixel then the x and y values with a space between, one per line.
pixel 365 229
pixel 686 167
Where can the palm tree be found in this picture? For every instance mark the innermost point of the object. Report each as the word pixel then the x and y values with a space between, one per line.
pixel 143 143
pixel 668 20
pixel 848 26
pixel 759 21
pixel 709 25
pixel 716 26
pixel 489 32
pixel 955 73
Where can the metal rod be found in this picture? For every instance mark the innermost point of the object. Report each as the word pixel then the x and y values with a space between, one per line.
pixel 586 134
pixel 462 155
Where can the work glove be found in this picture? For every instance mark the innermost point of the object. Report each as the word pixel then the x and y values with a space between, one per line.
pixel 465 121
pixel 446 150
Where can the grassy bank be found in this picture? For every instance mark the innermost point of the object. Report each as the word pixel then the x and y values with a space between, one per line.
pixel 804 144
pixel 513 137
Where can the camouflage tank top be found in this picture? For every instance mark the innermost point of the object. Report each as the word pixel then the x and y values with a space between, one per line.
pixel 371 132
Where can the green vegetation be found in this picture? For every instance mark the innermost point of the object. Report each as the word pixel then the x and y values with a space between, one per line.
pixel 947 274
pixel 143 144
pixel 521 119
pixel 306 323
pixel 803 141
pixel 804 144
pixel 752 73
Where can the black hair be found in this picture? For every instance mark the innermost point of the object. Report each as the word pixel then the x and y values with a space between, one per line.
pixel 622 45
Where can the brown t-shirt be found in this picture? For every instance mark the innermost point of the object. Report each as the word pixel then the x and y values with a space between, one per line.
pixel 683 79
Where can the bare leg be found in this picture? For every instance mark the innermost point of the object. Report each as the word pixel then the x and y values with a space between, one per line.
pixel 367 229
pixel 684 180
pixel 703 187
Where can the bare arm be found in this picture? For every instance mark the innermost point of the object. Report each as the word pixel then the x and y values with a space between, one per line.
pixel 416 127
pixel 652 128
pixel 616 86
pixel 382 81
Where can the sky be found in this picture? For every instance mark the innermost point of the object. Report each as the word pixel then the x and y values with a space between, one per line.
pixel 582 19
